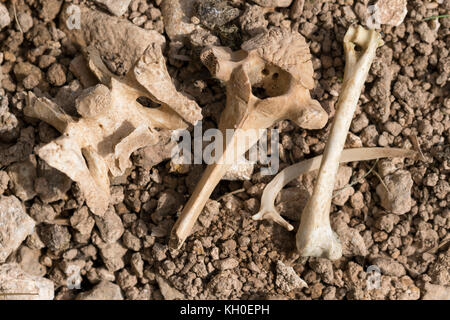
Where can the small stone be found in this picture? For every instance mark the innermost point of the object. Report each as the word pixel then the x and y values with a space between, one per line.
pixel 168 203
pixel 42 212
pixel 131 241
pixel 352 242
pixel 126 280
pixel 56 75
pixel 390 12
pixel 70 254
pixel 51 185
pixel 324 268
pixel 436 292
pixel 167 291
pixel 28 74
pixel 50 9
pixel 224 284
pixel 226 264
pixel 112 255
pixel 5 19
pixel 28 260
pixel 389 267
pixel 357 200
pixel 431 180
pixel 273 3
pixel 159 251
pixel 439 271
pixel 82 221
pixel 215 13
pixel 426 34
pixel 14 280
pixel 105 290
pixel 359 123
pixel 369 136
pixel 210 211
pixel 116 7
pixel 137 264
pixel 353 141
pixel 387 222
pixel 110 226
pixel 46 61
pixel 393 128
pixel 4 180
pixel 25 21
pixel 15 225
pixel 54 236
pixel 253 20
pixel 34 242
pixel 286 278
pixel 22 176
pixel 397 199
pixel 79 68
pixel 343 190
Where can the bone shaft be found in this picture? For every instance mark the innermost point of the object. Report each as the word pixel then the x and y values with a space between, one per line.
pixel 320 201
pixel 211 177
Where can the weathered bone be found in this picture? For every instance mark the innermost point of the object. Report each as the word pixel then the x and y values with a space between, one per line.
pixel 112 123
pixel 279 62
pixel 315 236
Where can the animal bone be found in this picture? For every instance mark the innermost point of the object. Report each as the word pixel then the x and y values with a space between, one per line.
pixel 268 210
pixel 112 123
pixel 177 15
pixel 112 37
pixel 315 236
pixel 277 61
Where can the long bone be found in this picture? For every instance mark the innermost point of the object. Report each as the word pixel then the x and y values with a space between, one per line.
pixel 315 237
pixel 277 61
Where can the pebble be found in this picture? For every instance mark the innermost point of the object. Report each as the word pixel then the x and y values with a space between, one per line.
pixel 105 290
pixel 22 176
pixel 226 264
pixel 287 279
pixel 15 225
pixel 56 75
pixel 110 226
pixel 5 19
pixel 398 199
pixel 116 7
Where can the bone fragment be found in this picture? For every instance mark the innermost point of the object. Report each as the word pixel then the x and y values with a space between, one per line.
pixel 278 62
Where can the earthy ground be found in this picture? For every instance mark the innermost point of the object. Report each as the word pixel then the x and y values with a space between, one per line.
pixel 404 232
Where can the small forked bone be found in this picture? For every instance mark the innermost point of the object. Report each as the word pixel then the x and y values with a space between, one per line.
pixel 261 65
pixel 315 237
pixel 268 211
